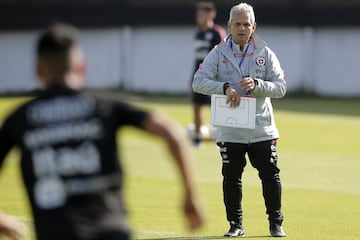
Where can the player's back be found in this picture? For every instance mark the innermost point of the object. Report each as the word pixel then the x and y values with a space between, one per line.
pixel 70 166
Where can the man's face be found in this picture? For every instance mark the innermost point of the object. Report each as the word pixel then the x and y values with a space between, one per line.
pixel 77 67
pixel 241 28
pixel 202 17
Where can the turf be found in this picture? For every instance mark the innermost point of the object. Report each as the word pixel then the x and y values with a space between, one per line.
pixel 318 157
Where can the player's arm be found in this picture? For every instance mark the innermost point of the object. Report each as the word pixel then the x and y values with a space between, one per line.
pixel 221 31
pixel 157 124
pixel 6 139
pixel 11 227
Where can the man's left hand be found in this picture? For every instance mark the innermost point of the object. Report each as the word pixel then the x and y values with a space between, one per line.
pixel 247 84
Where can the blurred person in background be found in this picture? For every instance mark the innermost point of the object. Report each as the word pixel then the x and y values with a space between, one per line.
pixel 69 157
pixel 208 35
pixel 244 65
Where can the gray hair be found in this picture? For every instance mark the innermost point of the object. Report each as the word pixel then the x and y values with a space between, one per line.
pixel 242 7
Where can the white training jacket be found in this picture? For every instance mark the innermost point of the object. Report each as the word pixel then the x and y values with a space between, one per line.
pixel 260 62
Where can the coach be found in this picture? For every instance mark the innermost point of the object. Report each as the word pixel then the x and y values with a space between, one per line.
pixel 241 65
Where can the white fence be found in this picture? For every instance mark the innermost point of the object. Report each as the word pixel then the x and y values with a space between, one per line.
pixel 160 59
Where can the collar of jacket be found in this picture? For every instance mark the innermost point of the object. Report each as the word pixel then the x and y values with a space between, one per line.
pixel 258 42
pixel 224 47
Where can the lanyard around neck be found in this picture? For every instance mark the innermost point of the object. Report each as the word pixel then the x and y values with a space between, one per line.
pixel 243 55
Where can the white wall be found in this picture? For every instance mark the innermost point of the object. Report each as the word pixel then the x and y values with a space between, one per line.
pixel 103 55
pixel 160 59
pixel 337 56
pixel 16 61
pixel 17 55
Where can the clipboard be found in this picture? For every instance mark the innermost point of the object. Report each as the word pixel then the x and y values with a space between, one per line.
pixel 242 116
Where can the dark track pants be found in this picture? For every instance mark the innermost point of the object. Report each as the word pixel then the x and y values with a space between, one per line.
pixel 263 157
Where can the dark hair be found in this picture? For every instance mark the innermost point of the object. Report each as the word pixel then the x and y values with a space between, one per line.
pixel 207 6
pixel 53 48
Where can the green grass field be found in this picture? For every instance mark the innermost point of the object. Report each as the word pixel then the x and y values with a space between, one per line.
pixel 319 158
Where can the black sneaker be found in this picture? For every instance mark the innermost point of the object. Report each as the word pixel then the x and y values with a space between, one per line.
pixel 235 231
pixel 197 141
pixel 276 230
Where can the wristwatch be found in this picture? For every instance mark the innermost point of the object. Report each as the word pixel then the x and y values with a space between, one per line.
pixel 256 83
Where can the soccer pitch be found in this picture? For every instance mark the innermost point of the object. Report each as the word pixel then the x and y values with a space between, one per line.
pixel 318 157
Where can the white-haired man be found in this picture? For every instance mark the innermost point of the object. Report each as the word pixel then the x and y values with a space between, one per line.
pixel 243 65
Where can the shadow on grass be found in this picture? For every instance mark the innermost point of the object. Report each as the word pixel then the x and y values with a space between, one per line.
pixel 201 238
pixel 311 104
pixel 293 103
pixel 319 105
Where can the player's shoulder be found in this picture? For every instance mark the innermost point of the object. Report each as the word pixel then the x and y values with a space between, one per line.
pixel 109 103
pixel 17 116
pixel 220 30
pixel 218 27
pixel 107 97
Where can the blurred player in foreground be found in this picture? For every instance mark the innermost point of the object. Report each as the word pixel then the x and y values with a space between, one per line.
pixel 69 156
pixel 208 35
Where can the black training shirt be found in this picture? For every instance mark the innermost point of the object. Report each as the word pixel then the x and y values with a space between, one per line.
pixel 205 41
pixel 69 162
